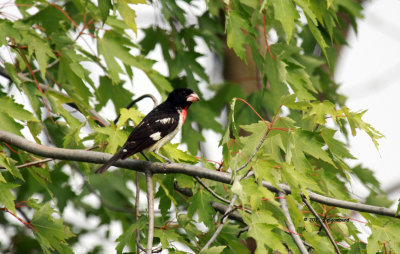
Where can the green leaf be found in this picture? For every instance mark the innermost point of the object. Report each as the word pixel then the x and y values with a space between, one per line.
pixel 321 244
pixel 319 38
pixel 51 233
pixel 319 110
pixel 286 13
pixel 9 164
pixel 305 6
pixel 7 30
pixel 356 122
pixel 398 207
pixel 236 38
pixel 15 110
pixel 127 114
pixel 304 142
pixel 265 237
pixel 35 127
pixel 250 142
pixel 200 203
pixel 378 199
pixel 127 14
pixel 335 146
pixel 179 155
pixel 42 51
pixel 105 6
pixel 113 188
pixel 12 72
pixel 6 196
pixel 115 138
pixel 166 236
pixel 107 49
pixel 114 92
pixel 300 81
pixel 9 124
pixel 276 75
pixel 128 235
pixel 160 82
pixel 198 111
pixel 384 233
pixel 213 250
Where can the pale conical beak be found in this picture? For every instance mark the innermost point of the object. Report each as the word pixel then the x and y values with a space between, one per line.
pixel 193 97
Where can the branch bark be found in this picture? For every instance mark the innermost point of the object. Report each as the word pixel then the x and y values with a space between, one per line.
pixel 159 168
pixel 221 225
pixel 328 232
pixel 289 223
pixel 150 207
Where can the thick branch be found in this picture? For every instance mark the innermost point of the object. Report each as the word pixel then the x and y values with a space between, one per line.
pixel 159 168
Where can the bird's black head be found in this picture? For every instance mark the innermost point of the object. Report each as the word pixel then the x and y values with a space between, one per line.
pixel 182 97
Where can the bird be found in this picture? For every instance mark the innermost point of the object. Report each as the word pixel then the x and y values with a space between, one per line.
pixel 157 128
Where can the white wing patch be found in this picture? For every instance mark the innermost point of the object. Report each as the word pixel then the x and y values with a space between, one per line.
pixel 166 120
pixel 156 136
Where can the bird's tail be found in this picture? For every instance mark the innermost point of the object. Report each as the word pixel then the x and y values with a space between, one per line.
pixel 118 155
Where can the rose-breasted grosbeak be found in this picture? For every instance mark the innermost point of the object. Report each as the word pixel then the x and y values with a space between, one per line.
pixel 157 128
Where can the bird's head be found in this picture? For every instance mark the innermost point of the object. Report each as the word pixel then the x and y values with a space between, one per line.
pixel 182 97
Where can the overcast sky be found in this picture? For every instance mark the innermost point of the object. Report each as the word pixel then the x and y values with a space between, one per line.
pixel 369 72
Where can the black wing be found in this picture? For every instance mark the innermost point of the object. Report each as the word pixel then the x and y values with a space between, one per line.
pixel 156 125
pixel 161 121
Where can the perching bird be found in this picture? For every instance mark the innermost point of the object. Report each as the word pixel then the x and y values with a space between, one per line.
pixel 157 128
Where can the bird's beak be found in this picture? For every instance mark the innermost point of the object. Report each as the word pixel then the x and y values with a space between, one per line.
pixel 192 97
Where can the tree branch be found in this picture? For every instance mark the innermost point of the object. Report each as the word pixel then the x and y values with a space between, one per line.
pixel 234 215
pixel 211 191
pixel 289 223
pixel 159 168
pixel 150 206
pixel 237 217
pixel 155 103
pixel 328 232
pixel 137 212
pixel 221 225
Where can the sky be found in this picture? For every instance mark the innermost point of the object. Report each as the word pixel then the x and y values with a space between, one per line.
pixel 369 73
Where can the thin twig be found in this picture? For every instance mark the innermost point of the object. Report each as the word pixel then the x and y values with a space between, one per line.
pixel 255 151
pixel 215 194
pixel 211 191
pixel 31 163
pixel 221 225
pixel 289 223
pixel 263 138
pixel 237 217
pixel 49 65
pixel 155 103
pixel 150 206
pixel 328 232
pixel 221 208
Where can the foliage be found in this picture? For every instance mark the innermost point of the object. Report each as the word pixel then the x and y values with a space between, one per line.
pixel 55 80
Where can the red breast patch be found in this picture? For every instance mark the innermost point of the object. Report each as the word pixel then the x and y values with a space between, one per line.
pixel 184 114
